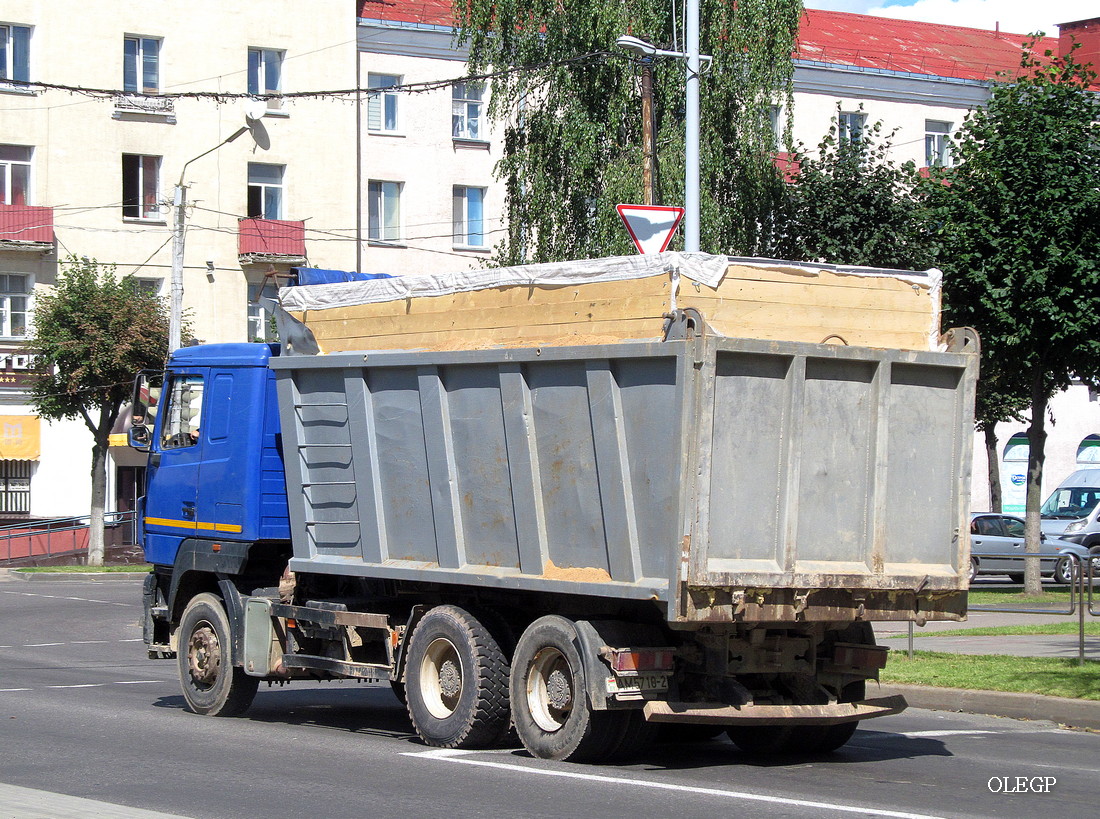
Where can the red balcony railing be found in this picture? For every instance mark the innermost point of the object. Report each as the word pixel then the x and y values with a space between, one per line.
pixel 272 237
pixel 26 223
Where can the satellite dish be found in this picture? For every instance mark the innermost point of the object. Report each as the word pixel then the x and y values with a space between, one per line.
pixel 254 109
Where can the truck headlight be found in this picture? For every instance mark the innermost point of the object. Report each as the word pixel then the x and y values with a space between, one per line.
pixel 1076 526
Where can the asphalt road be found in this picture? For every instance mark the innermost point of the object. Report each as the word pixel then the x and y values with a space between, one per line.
pixel 83 714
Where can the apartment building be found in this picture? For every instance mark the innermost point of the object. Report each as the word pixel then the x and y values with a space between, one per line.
pixel 107 108
pixel 249 112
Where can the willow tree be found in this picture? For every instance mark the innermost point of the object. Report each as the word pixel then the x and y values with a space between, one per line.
pixel 569 103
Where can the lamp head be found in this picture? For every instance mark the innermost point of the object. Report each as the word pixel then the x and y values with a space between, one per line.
pixel 636 45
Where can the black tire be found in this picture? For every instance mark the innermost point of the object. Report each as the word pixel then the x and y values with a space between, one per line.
pixel 456 681
pixel 1016 577
pixel 1064 571
pixel 834 736
pixel 688 732
pixel 211 684
pixel 762 740
pixel 973 569
pixel 550 708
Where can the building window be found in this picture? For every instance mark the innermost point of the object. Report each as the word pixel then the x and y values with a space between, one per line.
pixel 850 125
pixel 15 299
pixel 384 211
pixel 261 324
pixel 265 190
pixel 466 104
pixel 382 103
pixel 15 50
pixel 15 486
pixel 265 74
pixel 469 216
pixel 15 175
pixel 148 287
pixel 141 65
pixel 937 143
pixel 140 186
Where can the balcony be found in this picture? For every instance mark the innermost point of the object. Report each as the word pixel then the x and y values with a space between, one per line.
pixel 141 107
pixel 25 227
pixel 278 241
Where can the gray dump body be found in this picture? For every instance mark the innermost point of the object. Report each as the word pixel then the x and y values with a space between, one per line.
pixel 722 478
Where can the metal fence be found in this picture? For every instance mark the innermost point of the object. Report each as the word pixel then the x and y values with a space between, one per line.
pixel 56 537
pixel 1081 602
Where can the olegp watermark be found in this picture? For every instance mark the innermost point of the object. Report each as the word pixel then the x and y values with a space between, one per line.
pixel 1021 784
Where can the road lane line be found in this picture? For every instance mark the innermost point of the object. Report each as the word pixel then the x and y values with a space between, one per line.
pixel 459 756
pixel 81 685
pixel 40 645
pixel 63 597
pixel 136 682
pixel 956 733
pixel 6 690
pixel 29 802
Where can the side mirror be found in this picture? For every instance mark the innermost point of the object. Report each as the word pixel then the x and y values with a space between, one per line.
pixel 1042 537
pixel 140 438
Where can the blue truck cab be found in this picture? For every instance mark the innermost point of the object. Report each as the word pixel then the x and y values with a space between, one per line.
pixel 214 516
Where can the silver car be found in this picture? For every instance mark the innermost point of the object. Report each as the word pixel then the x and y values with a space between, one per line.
pixel 996 539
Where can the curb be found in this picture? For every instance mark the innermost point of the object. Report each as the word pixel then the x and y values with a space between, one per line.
pixel 1064 711
pixel 98 577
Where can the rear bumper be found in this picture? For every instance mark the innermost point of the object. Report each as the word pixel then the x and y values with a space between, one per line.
pixel 721 714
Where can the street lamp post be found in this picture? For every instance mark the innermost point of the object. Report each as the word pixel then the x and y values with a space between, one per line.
pixel 179 223
pixel 647 51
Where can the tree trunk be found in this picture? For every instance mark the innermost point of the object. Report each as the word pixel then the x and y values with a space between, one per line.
pixel 1037 438
pixel 99 498
pixel 993 462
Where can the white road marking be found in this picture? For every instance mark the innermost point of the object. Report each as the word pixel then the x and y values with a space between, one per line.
pixel 76 643
pixel 90 685
pixel 960 732
pixel 452 755
pixel 62 597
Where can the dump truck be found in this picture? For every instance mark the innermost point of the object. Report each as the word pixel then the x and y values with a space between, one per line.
pixel 567 504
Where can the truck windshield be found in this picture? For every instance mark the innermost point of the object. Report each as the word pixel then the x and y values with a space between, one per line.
pixel 1070 502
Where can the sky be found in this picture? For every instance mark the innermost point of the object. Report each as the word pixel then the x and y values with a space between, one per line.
pixel 1015 16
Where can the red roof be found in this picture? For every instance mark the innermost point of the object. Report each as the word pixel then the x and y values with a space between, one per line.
pixel 861 40
pixel 834 37
pixel 425 12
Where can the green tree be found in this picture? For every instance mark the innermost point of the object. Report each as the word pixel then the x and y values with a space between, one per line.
pixel 571 110
pixel 1022 239
pixel 92 332
pixel 851 204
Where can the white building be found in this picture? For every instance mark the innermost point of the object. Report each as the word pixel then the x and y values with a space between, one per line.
pixel 105 107
pixel 396 178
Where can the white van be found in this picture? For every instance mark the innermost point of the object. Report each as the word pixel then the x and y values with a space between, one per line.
pixel 1072 512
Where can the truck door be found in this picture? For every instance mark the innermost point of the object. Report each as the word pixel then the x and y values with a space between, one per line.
pixel 173 479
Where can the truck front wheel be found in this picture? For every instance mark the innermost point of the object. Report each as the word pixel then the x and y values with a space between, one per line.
pixel 211 684
pixel 456 681
pixel 550 702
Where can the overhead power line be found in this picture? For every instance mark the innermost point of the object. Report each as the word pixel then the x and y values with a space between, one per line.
pixel 226 96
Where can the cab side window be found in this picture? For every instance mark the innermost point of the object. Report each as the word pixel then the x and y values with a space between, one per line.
pixel 182 415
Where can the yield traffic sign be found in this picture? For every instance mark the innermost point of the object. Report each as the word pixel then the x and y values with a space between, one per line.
pixel 650 226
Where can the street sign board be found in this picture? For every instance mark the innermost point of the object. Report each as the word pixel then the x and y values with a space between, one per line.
pixel 650 226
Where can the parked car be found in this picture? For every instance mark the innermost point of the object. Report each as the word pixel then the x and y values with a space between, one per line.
pixel 993 536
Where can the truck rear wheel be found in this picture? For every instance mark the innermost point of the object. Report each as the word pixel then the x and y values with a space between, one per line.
pixel 456 681
pixel 549 700
pixel 211 684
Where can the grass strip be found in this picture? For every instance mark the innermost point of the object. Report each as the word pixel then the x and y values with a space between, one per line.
pixel 1052 676
pixel 135 567
pixel 1092 629
pixel 1011 597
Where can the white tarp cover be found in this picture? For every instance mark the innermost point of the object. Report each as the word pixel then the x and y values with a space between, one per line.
pixel 700 267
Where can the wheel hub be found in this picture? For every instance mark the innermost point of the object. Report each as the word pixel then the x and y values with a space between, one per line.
pixel 559 692
pixel 204 655
pixel 450 679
